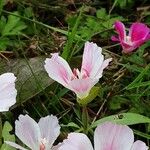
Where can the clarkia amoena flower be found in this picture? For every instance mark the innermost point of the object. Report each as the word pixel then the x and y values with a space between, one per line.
pixel 82 81
pixel 107 136
pixel 138 34
pixel 37 136
pixel 8 92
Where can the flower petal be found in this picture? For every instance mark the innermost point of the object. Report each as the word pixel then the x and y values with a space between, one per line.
pixel 50 129
pixel 76 141
pixel 139 145
pixel 104 65
pixel 127 48
pixel 8 92
pixel 27 130
pixel 115 39
pixel 120 28
pixel 58 69
pixel 92 60
pixel 138 32
pixel 112 136
pixel 15 145
pixel 82 87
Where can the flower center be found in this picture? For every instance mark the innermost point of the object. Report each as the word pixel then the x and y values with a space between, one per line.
pixel 42 146
pixel 43 143
pixel 128 40
pixel 78 74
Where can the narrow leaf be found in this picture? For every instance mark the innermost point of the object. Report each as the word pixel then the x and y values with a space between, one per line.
pixel 123 118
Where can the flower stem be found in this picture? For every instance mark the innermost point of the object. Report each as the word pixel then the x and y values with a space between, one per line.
pixel 85 119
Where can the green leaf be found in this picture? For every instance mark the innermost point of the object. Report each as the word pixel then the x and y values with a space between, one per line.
pixel 16 30
pixel 125 3
pixel 133 68
pixel 4 42
pixel 123 118
pixel 2 3
pixel 137 85
pixel 71 124
pixel 101 13
pixel 28 12
pixel 13 26
pixel 117 101
pixel 7 136
pixel 2 23
pixel 68 50
pixel 135 59
pixel 92 95
pixel 138 79
pixel 142 134
pixel 142 48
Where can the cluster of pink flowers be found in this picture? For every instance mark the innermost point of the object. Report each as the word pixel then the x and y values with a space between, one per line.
pixel 42 135
pixel 93 64
pixel 139 33
pixel 107 136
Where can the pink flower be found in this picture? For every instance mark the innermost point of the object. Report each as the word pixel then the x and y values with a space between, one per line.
pixel 8 92
pixel 107 136
pixel 138 34
pixel 37 136
pixel 80 82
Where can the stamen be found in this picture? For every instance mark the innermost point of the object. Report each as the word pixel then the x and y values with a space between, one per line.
pixel 79 75
pixel 128 40
pixel 42 145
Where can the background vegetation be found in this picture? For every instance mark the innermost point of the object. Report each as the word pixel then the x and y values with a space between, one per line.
pixel 32 29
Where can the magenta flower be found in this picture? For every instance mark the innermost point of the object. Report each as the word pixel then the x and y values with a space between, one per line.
pixel 37 136
pixel 80 82
pixel 107 136
pixel 8 92
pixel 138 34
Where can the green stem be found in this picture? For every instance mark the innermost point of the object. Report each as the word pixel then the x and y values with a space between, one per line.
pixel 67 52
pixel 37 22
pixel 0 130
pixel 42 24
pixel 85 119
